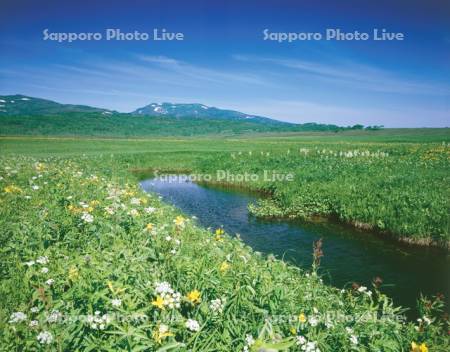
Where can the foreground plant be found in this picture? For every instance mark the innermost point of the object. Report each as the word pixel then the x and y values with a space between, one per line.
pixel 89 262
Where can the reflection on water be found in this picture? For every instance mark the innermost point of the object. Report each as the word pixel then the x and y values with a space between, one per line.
pixel 349 255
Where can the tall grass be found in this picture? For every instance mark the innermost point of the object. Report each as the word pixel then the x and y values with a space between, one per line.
pixel 402 190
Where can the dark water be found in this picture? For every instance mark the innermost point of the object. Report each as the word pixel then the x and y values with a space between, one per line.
pixel 349 255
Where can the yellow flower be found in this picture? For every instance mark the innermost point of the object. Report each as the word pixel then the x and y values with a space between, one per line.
pixel 39 166
pixel 115 291
pixel 12 189
pixel 149 227
pixel 302 318
pixel 158 302
pixel 94 203
pixel 293 330
pixel 179 221
pixel 417 348
pixel 219 234
pixel 73 273
pixel 161 333
pixel 144 200
pixel 73 209
pixel 194 296
pixel 224 267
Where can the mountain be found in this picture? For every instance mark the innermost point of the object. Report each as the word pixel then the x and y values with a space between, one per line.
pixel 23 105
pixel 201 111
pixel 23 115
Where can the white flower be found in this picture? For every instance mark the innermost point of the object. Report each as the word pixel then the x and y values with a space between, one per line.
pixel 168 238
pixel 109 210
pixel 177 242
pixel 313 321
pixel 349 330
pixel 42 260
pixel 44 270
pixel 34 309
pixel 173 251
pixel 301 340
pixel 427 320
pixel 45 337
pixel 97 321
pixel 33 323
pixel 34 187
pixel 310 347
pixel 163 328
pixel 30 263
pixel 17 317
pixel 135 201
pixel 172 301
pixel 250 340
pixel 133 212
pixel 163 287
pixel 362 289
pixel 116 302
pixel 170 298
pixel 192 325
pixel 354 339
pixel 149 210
pixel 50 282
pixel 216 305
pixel 54 317
pixel 86 217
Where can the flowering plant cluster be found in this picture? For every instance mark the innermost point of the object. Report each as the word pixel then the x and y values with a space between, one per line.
pixel 93 253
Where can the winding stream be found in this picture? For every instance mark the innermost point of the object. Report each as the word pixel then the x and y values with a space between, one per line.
pixel 349 255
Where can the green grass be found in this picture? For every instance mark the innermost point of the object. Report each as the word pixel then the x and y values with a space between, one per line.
pixel 87 216
pixel 400 186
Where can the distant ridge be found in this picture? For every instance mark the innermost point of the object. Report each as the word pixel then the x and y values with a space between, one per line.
pixel 24 105
pixel 25 115
pixel 201 111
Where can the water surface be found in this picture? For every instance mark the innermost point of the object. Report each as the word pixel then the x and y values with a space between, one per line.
pixel 349 255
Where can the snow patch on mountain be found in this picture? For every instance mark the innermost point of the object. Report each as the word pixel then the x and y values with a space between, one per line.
pixel 160 110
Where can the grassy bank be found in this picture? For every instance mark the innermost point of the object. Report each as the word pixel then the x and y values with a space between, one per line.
pixel 89 262
pixel 401 190
pixel 395 181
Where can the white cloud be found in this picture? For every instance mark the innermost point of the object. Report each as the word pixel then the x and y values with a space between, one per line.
pixel 355 75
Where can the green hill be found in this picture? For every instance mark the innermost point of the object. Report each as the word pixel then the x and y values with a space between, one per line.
pixel 22 115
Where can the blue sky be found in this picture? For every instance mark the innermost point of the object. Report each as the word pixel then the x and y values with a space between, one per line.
pixel 224 61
